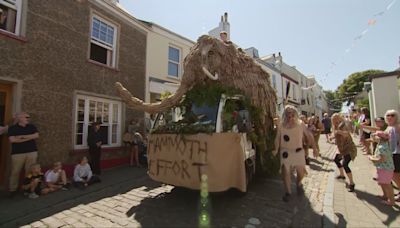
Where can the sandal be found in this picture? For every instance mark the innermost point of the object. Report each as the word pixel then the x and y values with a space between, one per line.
pixel 388 203
pixel 340 177
pixel 384 198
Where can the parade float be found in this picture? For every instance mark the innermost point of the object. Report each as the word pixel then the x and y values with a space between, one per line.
pixel 218 126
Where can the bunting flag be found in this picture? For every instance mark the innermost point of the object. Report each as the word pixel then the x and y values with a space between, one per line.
pixel 371 22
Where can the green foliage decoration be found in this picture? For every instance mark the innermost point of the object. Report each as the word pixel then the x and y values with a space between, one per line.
pixel 210 94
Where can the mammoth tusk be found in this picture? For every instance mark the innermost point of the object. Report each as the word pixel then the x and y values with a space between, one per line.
pixel 212 77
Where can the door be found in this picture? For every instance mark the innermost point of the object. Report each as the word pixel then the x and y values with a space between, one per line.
pixel 5 119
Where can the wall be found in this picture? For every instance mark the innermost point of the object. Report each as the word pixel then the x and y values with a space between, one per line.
pixel 384 90
pixel 53 64
pixel 158 42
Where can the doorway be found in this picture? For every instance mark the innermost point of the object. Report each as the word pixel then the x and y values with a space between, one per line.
pixel 5 119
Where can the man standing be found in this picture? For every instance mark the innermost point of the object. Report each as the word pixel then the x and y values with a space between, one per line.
pixel 22 136
pixel 94 141
pixel 326 121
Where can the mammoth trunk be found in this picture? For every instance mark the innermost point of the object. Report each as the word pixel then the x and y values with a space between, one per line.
pixel 138 104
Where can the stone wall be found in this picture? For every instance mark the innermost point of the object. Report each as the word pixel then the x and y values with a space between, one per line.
pixel 53 63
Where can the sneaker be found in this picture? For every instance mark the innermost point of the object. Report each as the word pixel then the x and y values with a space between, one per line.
pixel 286 197
pixel 33 195
pixel 351 187
pixel 65 187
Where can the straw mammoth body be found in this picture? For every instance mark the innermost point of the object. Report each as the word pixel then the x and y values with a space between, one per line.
pixel 213 61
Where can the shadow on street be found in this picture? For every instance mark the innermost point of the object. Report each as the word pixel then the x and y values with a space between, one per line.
pixel 391 212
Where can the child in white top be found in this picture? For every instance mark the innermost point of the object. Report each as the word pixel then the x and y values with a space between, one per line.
pixel 56 178
pixel 83 175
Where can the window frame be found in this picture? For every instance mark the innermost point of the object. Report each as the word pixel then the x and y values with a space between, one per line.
pixel 18 8
pixel 294 92
pixel 86 123
pixel 274 81
pixel 174 62
pixel 102 44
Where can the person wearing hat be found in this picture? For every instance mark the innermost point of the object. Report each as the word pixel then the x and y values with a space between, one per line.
pixel 94 141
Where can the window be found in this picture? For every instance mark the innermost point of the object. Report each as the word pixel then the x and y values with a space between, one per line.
pixel 173 61
pixel 91 109
pixel 294 92
pixel 103 42
pixel 274 81
pixel 10 15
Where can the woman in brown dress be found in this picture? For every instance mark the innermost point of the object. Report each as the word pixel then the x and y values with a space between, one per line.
pixel 346 149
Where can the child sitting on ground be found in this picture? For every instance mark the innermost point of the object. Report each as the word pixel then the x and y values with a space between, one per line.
pixel 34 183
pixel 83 175
pixel 383 162
pixel 56 178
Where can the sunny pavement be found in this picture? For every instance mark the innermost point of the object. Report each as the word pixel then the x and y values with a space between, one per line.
pixel 128 198
pixel 363 208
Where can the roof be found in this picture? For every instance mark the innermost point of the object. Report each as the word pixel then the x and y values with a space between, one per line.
pixel 386 74
pixel 269 65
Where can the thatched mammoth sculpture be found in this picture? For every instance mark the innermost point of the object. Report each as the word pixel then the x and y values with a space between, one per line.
pixel 213 61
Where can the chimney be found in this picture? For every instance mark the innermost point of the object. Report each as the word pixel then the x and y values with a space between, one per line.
pixel 226 16
pixel 278 61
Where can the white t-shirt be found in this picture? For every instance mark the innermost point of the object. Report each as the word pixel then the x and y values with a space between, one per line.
pixel 52 176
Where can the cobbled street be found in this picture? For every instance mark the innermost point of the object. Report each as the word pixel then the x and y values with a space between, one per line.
pixel 128 198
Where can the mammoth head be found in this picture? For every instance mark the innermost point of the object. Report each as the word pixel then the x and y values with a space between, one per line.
pixel 212 52
pixel 204 62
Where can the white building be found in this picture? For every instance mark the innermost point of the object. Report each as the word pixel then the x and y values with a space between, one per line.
pixel 223 26
pixel 165 53
pixel 290 79
pixel 383 93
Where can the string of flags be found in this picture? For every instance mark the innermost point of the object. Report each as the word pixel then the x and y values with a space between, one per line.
pixel 371 22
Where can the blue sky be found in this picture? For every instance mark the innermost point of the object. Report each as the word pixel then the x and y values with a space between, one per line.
pixel 316 36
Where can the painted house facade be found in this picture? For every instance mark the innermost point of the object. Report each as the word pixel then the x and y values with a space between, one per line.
pixel 290 79
pixel 59 63
pixel 383 93
pixel 165 53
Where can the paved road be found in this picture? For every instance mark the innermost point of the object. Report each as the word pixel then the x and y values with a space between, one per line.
pixel 128 198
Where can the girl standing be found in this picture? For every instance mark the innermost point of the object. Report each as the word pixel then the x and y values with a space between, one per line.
pixel 347 150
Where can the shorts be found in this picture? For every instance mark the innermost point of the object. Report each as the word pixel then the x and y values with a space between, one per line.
pixel 37 190
pixel 396 161
pixel 384 176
